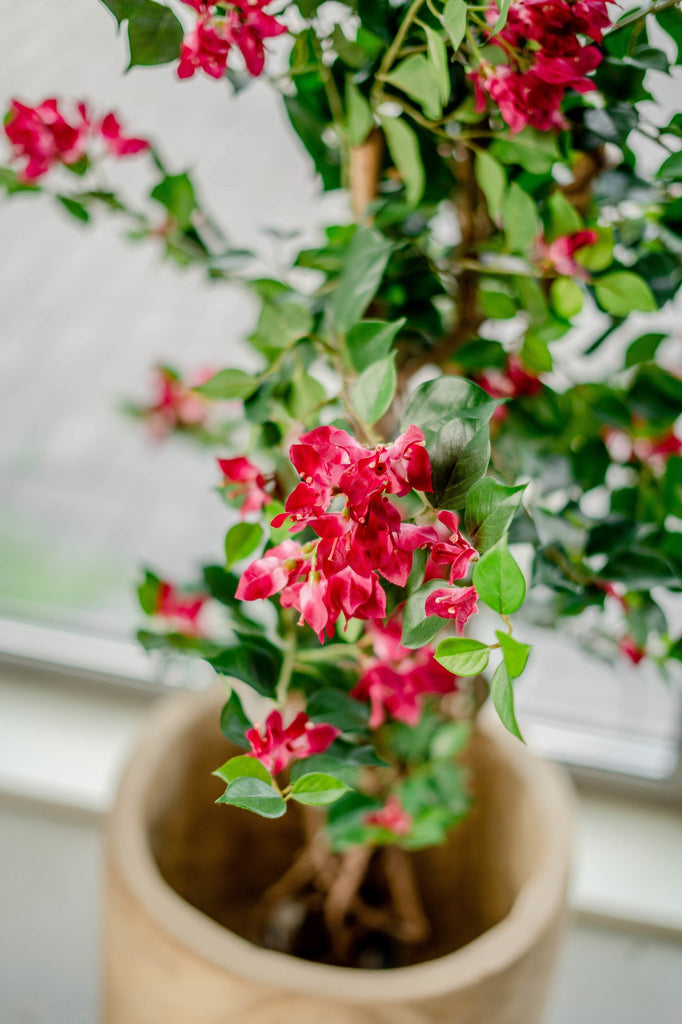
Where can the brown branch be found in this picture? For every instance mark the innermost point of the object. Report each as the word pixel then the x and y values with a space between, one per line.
pixel 365 167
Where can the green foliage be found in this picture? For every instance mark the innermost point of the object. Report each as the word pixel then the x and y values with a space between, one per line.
pixel 403 147
pixel 498 580
pixel 243 766
pixel 254 795
pixel 227 384
pixel 242 540
pixel 502 696
pixel 369 341
pixel 463 656
pixel 317 789
pixel 254 661
pixel 490 508
pixel 360 278
pixel 374 390
pixel 418 629
pixel 623 292
pixel 455 21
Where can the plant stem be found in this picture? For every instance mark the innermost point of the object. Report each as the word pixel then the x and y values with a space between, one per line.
pixel 656 8
pixel 394 49
pixel 287 667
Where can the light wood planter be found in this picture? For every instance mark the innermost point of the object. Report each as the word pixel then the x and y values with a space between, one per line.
pixel 183 877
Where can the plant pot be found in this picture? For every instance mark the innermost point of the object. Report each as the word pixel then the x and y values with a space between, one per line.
pixel 183 877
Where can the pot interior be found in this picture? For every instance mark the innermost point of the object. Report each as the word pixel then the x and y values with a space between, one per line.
pixel 222 859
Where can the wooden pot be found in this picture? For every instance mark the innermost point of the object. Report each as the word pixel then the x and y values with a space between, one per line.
pixel 183 877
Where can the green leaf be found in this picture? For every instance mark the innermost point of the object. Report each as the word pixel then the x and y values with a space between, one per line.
pixel 370 340
pixel 359 118
pixel 598 256
pixel 305 396
pixel 564 219
pixel 349 52
pixel 643 349
pixel 241 541
pixel 533 150
pixel 148 593
pixel 492 181
pixel 455 21
pixel 243 766
pixel 234 722
pixel 672 487
pixel 519 216
pixel 566 297
pixel 121 9
pixel 374 389
pixel 498 580
pixel 254 661
pixel 417 77
pixel 515 653
pixel 490 508
pixel 254 795
pixel 176 193
pixel 502 694
pixel 281 324
pixel 316 789
pixel 459 457
pixel 229 384
pixel 418 628
pixel 154 34
pixel 403 147
pixel 440 400
pixel 622 292
pixel 338 708
pixel 462 656
pixel 439 58
pixel 75 208
pixel 496 305
pixel 363 270
pixel 501 18
pixel 671 168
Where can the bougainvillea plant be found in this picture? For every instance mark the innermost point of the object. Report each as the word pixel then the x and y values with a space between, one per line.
pixel 430 400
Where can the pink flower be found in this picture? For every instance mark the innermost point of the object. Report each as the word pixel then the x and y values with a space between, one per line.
pixel 268 575
pixel 631 650
pixel 459 603
pixel 117 143
pixel 559 255
pixel 248 26
pixel 514 381
pixel 392 816
pixel 276 747
pixel 244 480
pixel 175 405
pixel 182 610
pixel 43 137
pixel 395 681
pixel 656 451
pixel 205 48
pixel 455 551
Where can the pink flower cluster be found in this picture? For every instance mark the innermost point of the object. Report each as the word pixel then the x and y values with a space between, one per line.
pixel 395 679
pixel 360 537
pixel 244 481
pixel 276 747
pixel 219 27
pixel 175 405
pixel 44 136
pixel 559 255
pixel 544 56
pixel 182 611
pixel 392 816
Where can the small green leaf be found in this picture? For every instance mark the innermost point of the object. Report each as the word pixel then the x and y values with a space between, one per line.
pixel 598 256
pixel 455 21
pixel 418 627
pixel 502 694
pixel 229 384
pixel 417 77
pixel 280 324
pixel 403 147
pixel 244 765
pixel 564 219
pixel 462 656
pixel 671 167
pixel 75 208
pixel 254 795
pixel 622 292
pixel 374 389
pixel 490 508
pixel 643 349
pixel 370 340
pixel 515 653
pixel 241 541
pixel 439 58
pixel 254 661
pixel 519 215
pixel 316 789
pixel 498 580
pixel 363 270
pixel 359 118
pixel 437 401
pixel 176 193
pixel 154 34
pixel 566 297
pixel 501 18
pixel 148 593
pixel 459 455
pixel 234 722
pixel 337 708
pixel 492 181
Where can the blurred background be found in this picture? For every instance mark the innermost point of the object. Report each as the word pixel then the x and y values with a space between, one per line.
pixel 89 496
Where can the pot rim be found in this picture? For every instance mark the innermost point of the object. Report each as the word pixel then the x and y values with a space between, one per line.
pixel 539 901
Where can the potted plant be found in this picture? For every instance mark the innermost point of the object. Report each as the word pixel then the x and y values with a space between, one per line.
pixel 413 415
